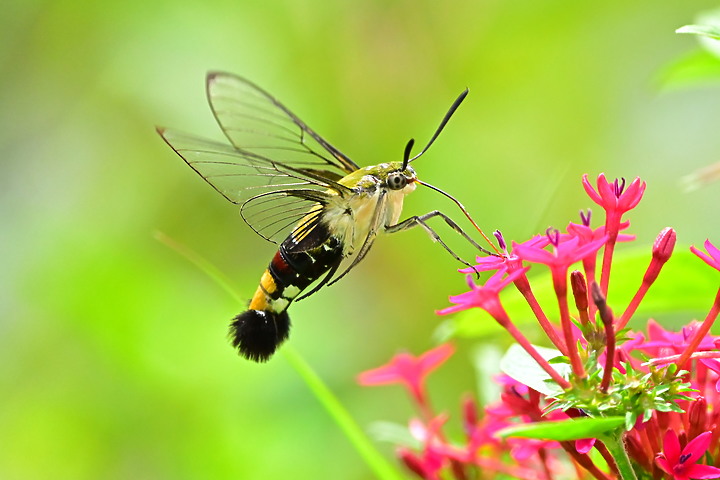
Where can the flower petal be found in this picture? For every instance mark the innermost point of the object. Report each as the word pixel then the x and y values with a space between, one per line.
pixel 590 190
pixel 712 249
pixel 607 191
pixel 664 464
pixel 697 447
pixel 432 359
pixel 702 472
pixel 671 447
pixel 632 195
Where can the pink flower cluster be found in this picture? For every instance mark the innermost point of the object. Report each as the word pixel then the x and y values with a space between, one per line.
pixel 679 441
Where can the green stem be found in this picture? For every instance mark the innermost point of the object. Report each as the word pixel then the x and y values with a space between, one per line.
pixel 202 264
pixel 377 463
pixel 616 446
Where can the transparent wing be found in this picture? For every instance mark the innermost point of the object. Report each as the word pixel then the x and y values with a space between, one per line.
pixel 273 196
pixel 274 215
pixel 255 122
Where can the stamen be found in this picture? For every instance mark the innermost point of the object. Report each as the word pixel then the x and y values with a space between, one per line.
pixel 501 240
pixel 586 218
pixel 619 187
pixel 553 235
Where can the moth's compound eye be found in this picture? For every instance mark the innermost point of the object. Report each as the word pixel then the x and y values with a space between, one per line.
pixel 396 181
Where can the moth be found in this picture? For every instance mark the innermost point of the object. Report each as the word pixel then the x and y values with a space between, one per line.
pixel 298 191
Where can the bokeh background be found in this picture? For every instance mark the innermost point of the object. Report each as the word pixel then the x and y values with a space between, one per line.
pixel 113 357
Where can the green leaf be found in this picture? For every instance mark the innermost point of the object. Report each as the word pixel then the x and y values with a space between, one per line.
pixel 630 420
pixel 520 366
pixel 705 30
pixel 564 430
pixel 694 68
pixel 393 433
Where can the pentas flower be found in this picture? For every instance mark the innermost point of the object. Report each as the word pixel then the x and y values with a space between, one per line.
pixel 714 365
pixel 664 343
pixel 408 370
pixel 432 460
pixel 426 465
pixel 665 384
pixel 588 234
pixel 564 254
pixel 712 258
pixel 509 261
pixel 485 296
pixel 682 464
pixel 613 197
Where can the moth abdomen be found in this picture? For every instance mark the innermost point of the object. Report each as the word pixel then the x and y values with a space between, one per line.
pixel 257 333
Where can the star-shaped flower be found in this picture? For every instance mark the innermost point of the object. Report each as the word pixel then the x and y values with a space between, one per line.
pixel 408 370
pixel 682 464
pixel 713 259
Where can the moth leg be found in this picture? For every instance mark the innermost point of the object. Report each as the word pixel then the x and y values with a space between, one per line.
pixel 421 220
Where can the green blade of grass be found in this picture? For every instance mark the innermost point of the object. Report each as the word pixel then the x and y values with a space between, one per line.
pixel 377 463
pixel 202 264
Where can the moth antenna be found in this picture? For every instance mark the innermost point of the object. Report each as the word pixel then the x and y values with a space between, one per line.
pixel 406 154
pixel 444 122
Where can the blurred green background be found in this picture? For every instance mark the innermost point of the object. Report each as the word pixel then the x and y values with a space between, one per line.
pixel 113 357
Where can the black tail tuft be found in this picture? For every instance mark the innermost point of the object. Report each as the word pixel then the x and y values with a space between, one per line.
pixel 257 333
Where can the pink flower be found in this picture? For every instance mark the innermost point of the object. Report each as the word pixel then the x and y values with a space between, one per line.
pixel 714 365
pixel 485 296
pixel 587 234
pixel 663 343
pixel 508 262
pixel 408 370
pixel 565 253
pixel 614 197
pixel 713 259
pixel 431 461
pixel 682 465
pixel 426 465
pixel 584 445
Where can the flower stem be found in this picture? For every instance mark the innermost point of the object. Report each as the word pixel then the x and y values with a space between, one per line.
pixel 520 338
pixel 606 264
pixel 702 331
pixel 616 447
pixel 560 284
pixel 606 317
pixel 523 286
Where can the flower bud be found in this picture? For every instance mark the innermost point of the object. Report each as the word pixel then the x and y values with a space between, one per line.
pixel 697 414
pixel 600 302
pixel 664 244
pixel 411 461
pixel 470 414
pixel 579 289
pixel 662 249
